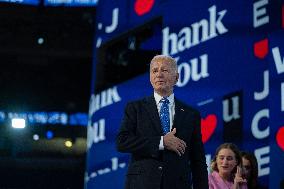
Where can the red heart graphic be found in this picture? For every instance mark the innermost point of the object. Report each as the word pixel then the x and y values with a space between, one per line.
pixel 261 48
pixel 143 6
pixel 280 137
pixel 208 126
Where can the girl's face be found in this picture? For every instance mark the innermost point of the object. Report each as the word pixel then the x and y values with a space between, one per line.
pixel 226 161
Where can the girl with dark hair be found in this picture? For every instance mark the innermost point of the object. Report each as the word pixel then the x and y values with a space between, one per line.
pixel 250 170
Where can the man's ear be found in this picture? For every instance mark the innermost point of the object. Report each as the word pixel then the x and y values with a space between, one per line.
pixel 177 76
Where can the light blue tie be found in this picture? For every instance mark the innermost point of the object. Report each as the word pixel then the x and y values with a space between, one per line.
pixel 165 115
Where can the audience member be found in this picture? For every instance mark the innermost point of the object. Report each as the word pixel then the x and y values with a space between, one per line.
pixel 250 170
pixel 226 168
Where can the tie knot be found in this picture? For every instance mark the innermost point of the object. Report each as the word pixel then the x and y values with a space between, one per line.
pixel 164 100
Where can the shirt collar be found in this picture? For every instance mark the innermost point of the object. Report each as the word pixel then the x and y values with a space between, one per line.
pixel 158 97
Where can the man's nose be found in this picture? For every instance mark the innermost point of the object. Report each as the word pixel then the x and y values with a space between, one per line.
pixel 159 73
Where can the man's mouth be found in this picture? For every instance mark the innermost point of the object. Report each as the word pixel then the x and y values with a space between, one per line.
pixel 160 82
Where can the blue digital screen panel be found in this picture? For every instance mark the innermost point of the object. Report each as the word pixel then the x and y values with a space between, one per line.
pixel 27 2
pixel 230 57
pixel 47 118
pixel 70 3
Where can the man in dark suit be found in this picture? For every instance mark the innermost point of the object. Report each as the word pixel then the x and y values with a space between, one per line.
pixel 163 136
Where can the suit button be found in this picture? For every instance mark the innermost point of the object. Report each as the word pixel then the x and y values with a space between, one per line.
pixel 160 168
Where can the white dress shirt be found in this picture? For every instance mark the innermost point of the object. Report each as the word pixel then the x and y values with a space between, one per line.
pixel 171 99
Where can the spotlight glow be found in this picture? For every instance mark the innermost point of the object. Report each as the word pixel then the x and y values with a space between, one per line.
pixel 49 134
pixel 35 137
pixel 40 40
pixel 68 143
pixel 18 123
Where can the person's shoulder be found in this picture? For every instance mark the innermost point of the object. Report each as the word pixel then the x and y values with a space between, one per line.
pixel 210 175
pixel 140 100
pixel 187 107
pixel 213 177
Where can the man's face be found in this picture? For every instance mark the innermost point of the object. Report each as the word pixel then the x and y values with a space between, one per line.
pixel 163 77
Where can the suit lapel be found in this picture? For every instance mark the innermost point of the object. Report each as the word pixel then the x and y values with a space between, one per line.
pixel 151 107
pixel 179 113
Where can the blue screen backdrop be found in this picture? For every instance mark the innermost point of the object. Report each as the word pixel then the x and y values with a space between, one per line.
pixel 230 56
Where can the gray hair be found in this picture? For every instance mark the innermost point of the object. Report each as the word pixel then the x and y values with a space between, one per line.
pixel 165 58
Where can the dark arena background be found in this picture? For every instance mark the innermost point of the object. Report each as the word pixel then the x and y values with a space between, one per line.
pixel 45 77
pixel 68 68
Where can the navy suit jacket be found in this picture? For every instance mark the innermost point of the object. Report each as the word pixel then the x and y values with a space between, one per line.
pixel 151 168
